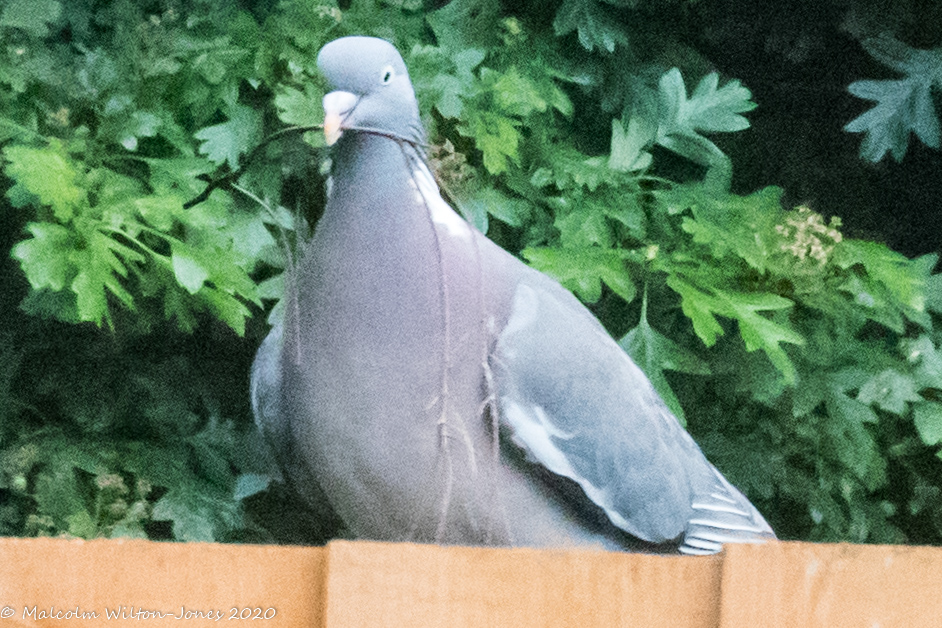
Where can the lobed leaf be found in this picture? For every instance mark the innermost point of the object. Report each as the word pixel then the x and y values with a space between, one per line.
pixel 226 142
pixel 47 174
pixel 903 105
pixel 583 270
pixel 927 417
pixel 595 27
pixel 655 353
pixel 681 120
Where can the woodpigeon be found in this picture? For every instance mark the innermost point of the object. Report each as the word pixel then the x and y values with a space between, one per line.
pixel 434 388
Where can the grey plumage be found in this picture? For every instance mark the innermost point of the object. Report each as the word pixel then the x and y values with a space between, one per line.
pixel 434 388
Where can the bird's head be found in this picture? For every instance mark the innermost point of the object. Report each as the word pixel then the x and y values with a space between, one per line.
pixel 371 90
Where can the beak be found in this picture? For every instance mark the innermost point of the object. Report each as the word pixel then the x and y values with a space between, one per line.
pixel 337 106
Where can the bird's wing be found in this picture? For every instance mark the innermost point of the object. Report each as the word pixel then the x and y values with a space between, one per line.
pixel 265 391
pixel 578 405
pixel 271 418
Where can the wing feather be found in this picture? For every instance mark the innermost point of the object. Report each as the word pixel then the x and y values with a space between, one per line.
pixel 577 404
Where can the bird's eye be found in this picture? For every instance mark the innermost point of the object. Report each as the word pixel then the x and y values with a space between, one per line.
pixel 387 76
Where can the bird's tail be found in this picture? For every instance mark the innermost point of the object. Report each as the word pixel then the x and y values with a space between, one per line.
pixel 723 515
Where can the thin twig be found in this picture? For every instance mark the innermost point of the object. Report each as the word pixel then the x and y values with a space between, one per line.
pixel 236 174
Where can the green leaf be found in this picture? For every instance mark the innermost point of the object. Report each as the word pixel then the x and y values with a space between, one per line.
pixel 212 446
pixel 97 266
pixel 159 210
pixel 582 270
pixel 88 287
pixel 903 105
pixel 621 205
pixel 871 299
pixel 250 238
pixel 444 79
pixel 513 93
pixel 228 309
pixel 513 211
pixel 647 346
pixel 464 24
pixel 656 353
pixel 44 257
pixel 272 288
pixel 846 408
pixel 628 145
pixel 697 149
pixel 475 212
pixel 854 445
pixel 934 293
pixel 30 15
pixel 759 332
pixel 129 528
pixel 218 60
pixel 729 223
pixel 923 496
pixel 188 270
pixel 300 108
pixel 809 395
pixel 596 28
pixel 927 417
pixel 82 525
pixel 226 142
pixel 466 61
pixel 745 305
pixel 47 174
pixel 179 176
pixel 571 168
pixel 57 491
pixel 750 462
pixel 453 82
pixel 894 283
pixel 445 93
pixel 192 520
pixel 928 360
pixel 713 110
pixel 891 390
pixel 584 228
pixel 248 484
pixel 681 120
pixel 138 124
pixel 890 268
pixel 496 136
pixel 898 56
pixel 56 256
pixel 699 307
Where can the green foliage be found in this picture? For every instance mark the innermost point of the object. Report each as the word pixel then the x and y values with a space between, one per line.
pixel 655 353
pixel 32 17
pixel 903 105
pixel 807 364
pixel 105 165
pixel 227 142
pixel 596 27
pixel 113 443
pixel 102 144
pixel 681 120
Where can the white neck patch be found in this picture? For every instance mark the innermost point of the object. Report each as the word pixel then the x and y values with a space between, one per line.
pixel 428 194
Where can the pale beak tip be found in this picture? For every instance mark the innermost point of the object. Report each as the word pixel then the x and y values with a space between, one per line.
pixel 337 106
pixel 332 130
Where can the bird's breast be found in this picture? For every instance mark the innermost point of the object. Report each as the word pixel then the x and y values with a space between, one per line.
pixel 392 336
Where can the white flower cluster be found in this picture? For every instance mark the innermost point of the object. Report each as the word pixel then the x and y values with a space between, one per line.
pixel 807 236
